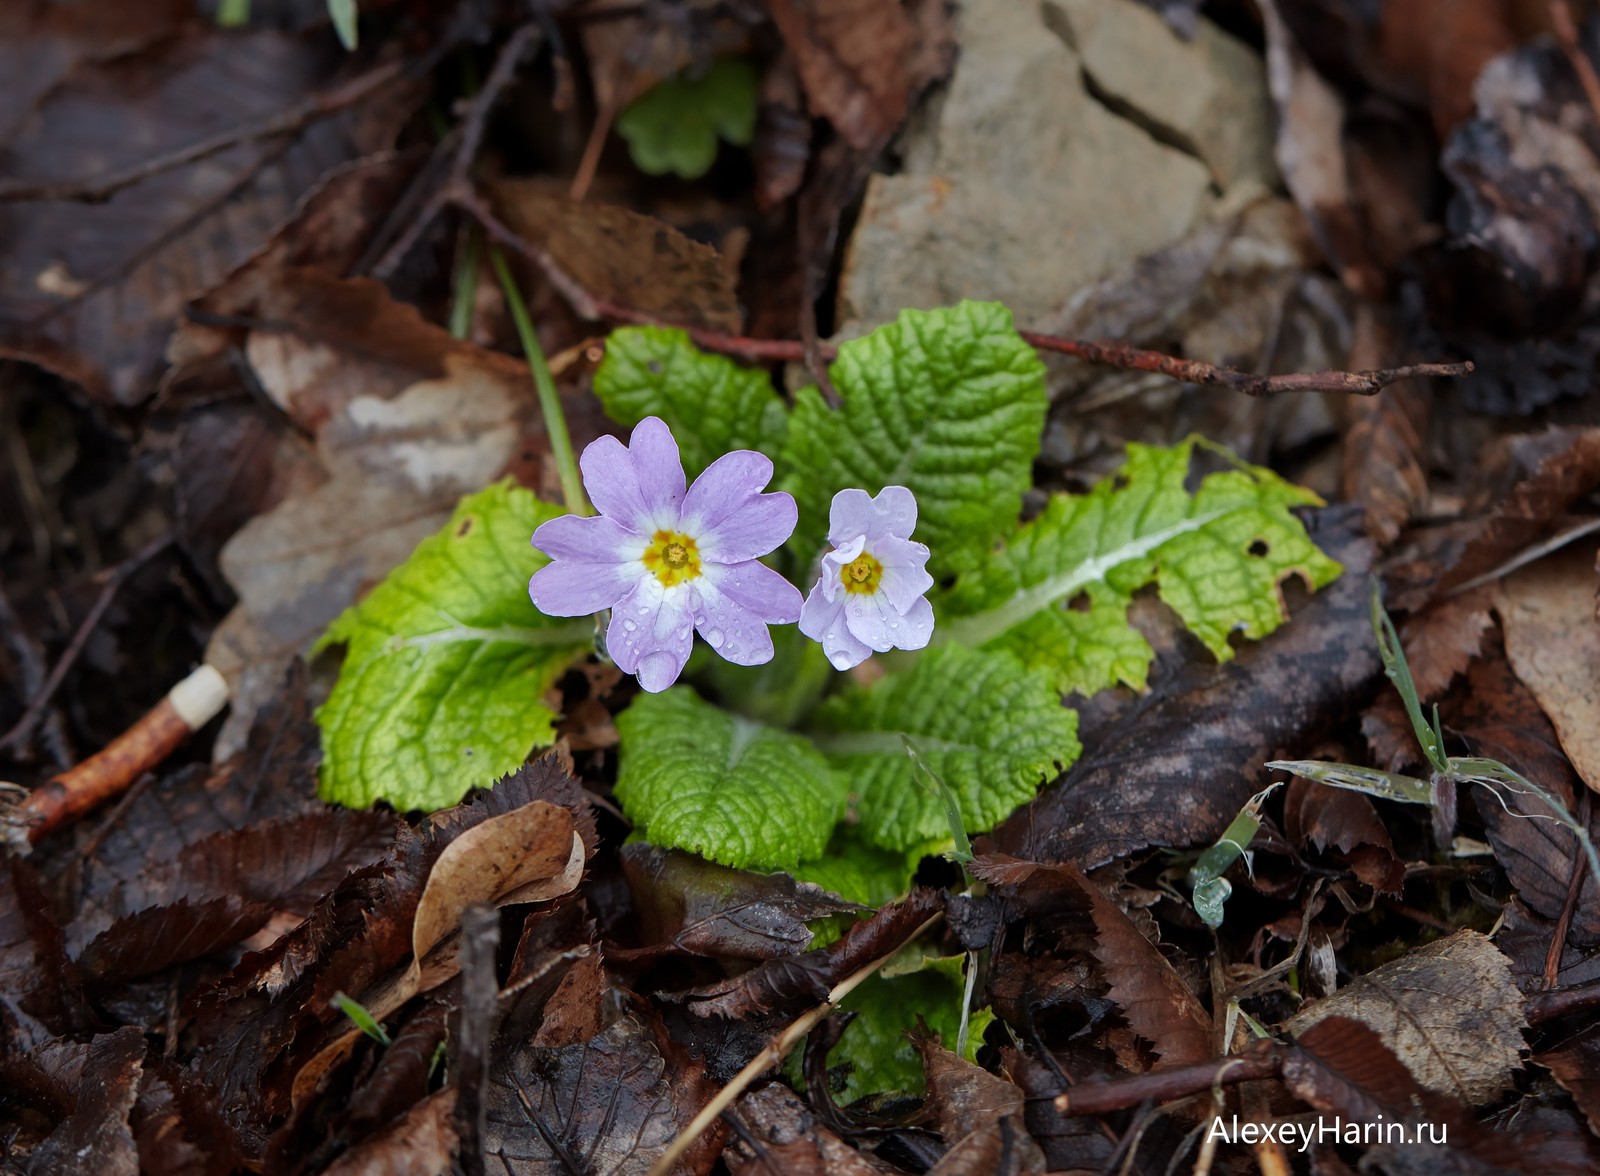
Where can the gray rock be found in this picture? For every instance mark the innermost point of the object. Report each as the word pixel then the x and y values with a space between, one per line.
pixel 1023 184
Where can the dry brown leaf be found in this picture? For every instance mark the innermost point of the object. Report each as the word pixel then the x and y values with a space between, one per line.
pixel 1382 454
pixel 420 1143
pixel 1450 1011
pixel 1444 639
pixel 782 1134
pixel 407 420
pixel 980 1116
pixel 92 290
pixel 530 854
pixel 852 56
pixel 1443 44
pixel 1553 644
pixel 603 255
pixel 1153 997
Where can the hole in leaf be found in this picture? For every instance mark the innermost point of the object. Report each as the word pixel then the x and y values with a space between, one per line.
pixel 1080 603
pixel 1259 548
pixel 465 528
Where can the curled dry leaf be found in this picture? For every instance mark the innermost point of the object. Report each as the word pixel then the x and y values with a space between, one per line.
pixel 1449 1011
pixel 96 1137
pixel 1381 467
pixel 91 290
pixel 1349 823
pixel 1553 643
pixel 529 854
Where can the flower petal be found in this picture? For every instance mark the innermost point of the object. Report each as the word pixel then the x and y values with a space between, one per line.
pixel 905 571
pixel 729 516
pixel 834 563
pixel 730 628
pixel 893 512
pixel 823 620
pixel 589 540
pixel 916 627
pixel 572 588
pixel 755 587
pixel 873 620
pixel 651 632
pixel 639 486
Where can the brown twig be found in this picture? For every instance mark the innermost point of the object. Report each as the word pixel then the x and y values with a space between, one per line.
pixel 1541 1007
pixel 113 583
pixel 460 148
pixel 102 188
pixel 1566 31
pixel 188 706
pixel 1261 1060
pixel 1580 867
pixel 1192 371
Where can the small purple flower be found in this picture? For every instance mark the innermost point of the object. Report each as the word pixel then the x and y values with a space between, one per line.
pixel 666 562
pixel 870 597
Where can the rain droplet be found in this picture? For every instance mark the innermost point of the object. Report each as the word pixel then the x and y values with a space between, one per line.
pixel 841 661
pixel 644 609
pixel 715 637
pixel 629 626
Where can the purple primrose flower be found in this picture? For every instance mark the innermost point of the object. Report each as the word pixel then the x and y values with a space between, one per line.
pixel 666 562
pixel 870 597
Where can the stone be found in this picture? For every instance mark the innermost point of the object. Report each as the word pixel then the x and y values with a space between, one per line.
pixel 1035 175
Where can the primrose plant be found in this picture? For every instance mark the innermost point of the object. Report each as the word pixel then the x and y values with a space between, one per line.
pixel 769 744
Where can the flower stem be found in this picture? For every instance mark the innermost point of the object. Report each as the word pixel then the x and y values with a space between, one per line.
pixel 555 421
pixel 465 280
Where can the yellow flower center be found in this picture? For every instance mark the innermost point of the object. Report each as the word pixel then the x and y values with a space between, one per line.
pixel 861 575
pixel 673 557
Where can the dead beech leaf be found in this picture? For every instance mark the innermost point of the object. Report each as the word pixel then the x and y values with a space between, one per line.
pixel 1450 1011
pixel 96 1137
pixel 852 60
pixel 1444 639
pixel 1153 997
pixel 604 255
pixel 981 1116
pixel 1553 643
pixel 530 854
pixel 421 1142
pixel 1381 465
pixel 92 291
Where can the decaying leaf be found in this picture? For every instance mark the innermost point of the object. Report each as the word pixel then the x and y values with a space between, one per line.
pixel 1178 766
pixel 979 1115
pixel 420 1143
pixel 1152 996
pixel 92 290
pixel 96 1137
pixel 782 1132
pixel 1553 643
pixel 1450 1011
pixel 689 904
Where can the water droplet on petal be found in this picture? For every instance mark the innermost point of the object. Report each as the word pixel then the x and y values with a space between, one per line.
pixel 840 660
pixel 644 610
pixel 629 626
pixel 715 637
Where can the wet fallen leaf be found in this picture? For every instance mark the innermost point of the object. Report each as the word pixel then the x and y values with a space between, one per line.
pixel 92 290
pixel 1152 996
pixel 1553 643
pixel 979 1115
pixel 96 1138
pixel 782 1133
pixel 1449 1011
pixel 689 904
pixel 1178 765
pixel 420 1143
pixel 1348 822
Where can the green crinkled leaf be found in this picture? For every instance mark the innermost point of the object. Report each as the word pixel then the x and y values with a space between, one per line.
pixel 991 728
pixel 948 402
pixel 674 126
pixel 876 1055
pixel 1057 594
pixel 858 871
pixel 447 663
pixel 730 789
pixel 711 403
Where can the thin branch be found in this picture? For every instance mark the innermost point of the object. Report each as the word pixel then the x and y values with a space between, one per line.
pixel 774 1053
pixel 460 148
pixel 1261 1060
pixel 119 576
pixel 102 188
pixel 1192 371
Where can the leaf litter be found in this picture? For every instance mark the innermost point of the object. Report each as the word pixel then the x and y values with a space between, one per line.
pixel 254 303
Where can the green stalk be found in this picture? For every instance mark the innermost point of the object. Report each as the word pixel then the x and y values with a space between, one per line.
pixel 465 281
pixel 555 421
